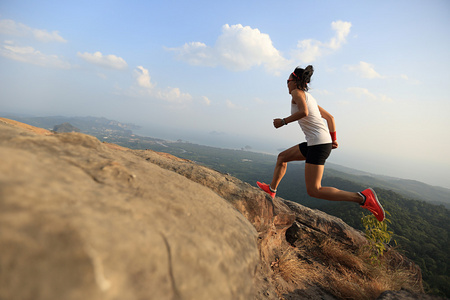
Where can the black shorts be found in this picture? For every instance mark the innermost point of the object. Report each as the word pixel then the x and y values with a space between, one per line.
pixel 317 154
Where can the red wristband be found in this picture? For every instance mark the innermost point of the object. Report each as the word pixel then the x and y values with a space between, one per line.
pixel 333 136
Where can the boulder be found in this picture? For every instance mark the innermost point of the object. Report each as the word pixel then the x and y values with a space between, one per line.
pixel 80 220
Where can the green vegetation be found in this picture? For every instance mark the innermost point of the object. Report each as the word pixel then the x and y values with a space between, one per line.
pixel 377 233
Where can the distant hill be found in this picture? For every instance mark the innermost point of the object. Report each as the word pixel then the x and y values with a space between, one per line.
pixel 65 127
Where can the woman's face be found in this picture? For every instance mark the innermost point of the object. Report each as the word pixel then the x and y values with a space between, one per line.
pixel 292 85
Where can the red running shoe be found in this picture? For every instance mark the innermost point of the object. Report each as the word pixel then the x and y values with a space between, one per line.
pixel 372 204
pixel 266 188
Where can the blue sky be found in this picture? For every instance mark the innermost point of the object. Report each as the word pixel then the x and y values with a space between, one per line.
pixel 215 72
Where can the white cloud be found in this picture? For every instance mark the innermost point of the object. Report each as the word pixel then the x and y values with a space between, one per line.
pixel 230 104
pixel 259 101
pixel 361 93
pixel 206 101
pixel 384 98
pixel 147 89
pixel 108 61
pixel 143 77
pixel 28 54
pixel 238 48
pixel 11 27
pixel 365 70
pixel 366 94
pixel 241 48
pixel 196 53
pixel 342 30
pixel 102 76
pixel 174 95
pixel 45 36
pixel 309 50
pixel 33 56
pixel 410 80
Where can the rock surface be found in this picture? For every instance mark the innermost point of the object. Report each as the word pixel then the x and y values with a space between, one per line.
pixel 80 219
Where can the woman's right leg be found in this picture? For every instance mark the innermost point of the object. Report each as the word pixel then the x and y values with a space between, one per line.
pixel 313 179
pixel 314 188
pixel 291 154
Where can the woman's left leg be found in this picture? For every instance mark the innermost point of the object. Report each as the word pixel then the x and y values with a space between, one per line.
pixel 313 180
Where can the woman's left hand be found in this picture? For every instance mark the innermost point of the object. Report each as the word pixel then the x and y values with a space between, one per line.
pixel 335 144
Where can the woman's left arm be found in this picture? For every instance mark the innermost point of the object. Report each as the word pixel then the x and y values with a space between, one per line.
pixel 331 125
pixel 330 119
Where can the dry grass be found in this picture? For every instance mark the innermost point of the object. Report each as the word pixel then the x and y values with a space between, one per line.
pixel 292 269
pixel 372 278
pixel 395 272
pixel 346 284
pixel 341 257
pixel 344 273
pixel 292 273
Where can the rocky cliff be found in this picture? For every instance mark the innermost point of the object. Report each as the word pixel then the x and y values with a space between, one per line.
pixel 80 219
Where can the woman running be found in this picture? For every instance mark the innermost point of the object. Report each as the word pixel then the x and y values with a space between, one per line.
pixel 319 142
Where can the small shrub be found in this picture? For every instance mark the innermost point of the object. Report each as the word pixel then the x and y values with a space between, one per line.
pixel 378 234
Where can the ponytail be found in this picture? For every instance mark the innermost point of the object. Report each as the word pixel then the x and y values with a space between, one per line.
pixel 303 77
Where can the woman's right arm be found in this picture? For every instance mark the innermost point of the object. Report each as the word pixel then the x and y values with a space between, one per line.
pixel 299 98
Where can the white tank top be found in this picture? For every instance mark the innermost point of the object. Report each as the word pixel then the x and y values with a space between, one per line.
pixel 313 126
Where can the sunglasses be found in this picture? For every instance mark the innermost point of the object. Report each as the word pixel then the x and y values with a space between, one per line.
pixel 289 80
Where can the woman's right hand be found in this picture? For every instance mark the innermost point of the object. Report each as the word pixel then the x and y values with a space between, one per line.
pixel 277 123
